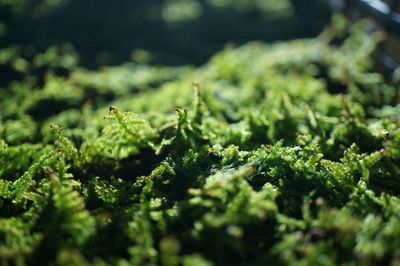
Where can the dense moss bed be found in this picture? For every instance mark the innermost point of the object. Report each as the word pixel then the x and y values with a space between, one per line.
pixel 283 154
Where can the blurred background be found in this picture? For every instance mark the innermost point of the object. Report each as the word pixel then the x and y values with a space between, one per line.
pixel 60 35
pixel 167 32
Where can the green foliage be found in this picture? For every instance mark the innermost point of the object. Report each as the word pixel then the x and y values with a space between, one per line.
pixel 284 153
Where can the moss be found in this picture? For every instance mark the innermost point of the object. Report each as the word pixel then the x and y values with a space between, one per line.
pixel 282 153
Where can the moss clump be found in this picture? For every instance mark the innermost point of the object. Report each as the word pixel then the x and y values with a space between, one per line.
pixel 286 154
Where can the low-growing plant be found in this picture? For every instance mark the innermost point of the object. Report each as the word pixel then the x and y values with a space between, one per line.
pixel 284 153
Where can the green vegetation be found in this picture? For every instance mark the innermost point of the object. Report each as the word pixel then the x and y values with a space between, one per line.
pixel 285 153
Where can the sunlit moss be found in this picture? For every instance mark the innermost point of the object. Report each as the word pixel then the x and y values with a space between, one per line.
pixel 283 154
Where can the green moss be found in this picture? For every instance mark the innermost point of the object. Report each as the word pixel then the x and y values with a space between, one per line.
pixel 286 153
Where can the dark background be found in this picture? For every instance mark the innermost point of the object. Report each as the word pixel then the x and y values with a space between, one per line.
pixel 105 32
